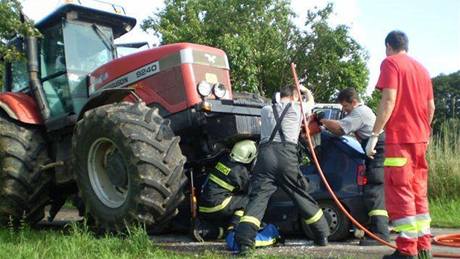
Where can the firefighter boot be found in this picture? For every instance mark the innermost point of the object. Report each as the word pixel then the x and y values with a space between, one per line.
pixel 321 231
pixel 424 254
pixel 399 255
pixel 378 226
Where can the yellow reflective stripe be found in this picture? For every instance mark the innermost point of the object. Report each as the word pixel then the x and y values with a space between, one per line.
pixel 378 213
pixel 315 218
pixel 260 243
pixel 223 168
pixel 411 227
pixel 221 233
pixel 250 219
pixel 221 183
pixel 239 213
pixel 216 208
pixel 395 161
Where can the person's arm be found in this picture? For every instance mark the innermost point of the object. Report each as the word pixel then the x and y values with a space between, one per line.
pixel 385 109
pixel 333 126
pixel 431 109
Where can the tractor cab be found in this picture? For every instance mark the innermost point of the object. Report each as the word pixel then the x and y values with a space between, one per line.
pixel 75 41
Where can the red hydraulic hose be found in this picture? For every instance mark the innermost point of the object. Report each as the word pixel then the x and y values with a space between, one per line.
pixel 328 187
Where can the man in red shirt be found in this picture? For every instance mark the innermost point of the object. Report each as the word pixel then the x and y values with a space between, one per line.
pixel 405 111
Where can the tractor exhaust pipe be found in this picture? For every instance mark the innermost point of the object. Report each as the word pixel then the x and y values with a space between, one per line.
pixel 34 81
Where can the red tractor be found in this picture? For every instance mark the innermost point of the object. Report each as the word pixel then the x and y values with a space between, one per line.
pixel 119 133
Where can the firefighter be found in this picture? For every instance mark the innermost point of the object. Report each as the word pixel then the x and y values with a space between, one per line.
pixel 360 120
pixel 223 196
pixel 276 166
pixel 406 111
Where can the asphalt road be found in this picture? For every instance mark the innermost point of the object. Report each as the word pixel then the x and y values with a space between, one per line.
pixel 293 247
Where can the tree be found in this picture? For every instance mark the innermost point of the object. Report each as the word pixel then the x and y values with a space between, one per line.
pixel 328 58
pixel 12 25
pixel 254 34
pixel 261 41
pixel 447 98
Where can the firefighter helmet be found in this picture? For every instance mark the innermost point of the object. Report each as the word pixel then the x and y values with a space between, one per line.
pixel 244 151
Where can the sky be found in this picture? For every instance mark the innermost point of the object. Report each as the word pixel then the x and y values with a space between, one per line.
pixel 432 26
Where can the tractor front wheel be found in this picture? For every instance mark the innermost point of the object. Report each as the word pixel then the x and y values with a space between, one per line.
pixel 128 166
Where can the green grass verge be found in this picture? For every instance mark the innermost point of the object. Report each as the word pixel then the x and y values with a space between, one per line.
pixel 78 243
pixel 445 213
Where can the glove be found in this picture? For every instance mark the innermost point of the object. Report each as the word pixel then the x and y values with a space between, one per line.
pixel 371 143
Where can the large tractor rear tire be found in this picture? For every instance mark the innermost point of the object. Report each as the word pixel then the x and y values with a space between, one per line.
pixel 24 188
pixel 128 167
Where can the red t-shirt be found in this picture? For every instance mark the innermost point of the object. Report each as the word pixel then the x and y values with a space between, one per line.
pixel 409 122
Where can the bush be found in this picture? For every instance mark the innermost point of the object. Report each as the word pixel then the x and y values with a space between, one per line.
pixel 443 151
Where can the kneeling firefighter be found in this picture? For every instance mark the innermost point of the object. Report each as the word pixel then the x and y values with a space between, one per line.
pixel 223 195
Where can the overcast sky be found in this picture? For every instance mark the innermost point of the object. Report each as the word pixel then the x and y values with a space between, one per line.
pixel 433 27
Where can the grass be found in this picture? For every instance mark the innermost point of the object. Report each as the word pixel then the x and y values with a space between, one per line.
pixel 442 156
pixel 445 213
pixel 444 175
pixel 79 242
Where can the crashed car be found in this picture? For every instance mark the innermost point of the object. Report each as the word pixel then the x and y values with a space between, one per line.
pixel 342 159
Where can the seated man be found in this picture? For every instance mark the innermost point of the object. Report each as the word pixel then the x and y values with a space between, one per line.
pixel 223 196
pixel 360 120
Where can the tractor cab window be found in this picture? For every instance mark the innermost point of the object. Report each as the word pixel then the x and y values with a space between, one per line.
pixel 53 71
pixel 19 76
pixel 87 46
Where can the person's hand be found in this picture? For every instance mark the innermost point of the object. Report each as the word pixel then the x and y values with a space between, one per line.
pixel 371 143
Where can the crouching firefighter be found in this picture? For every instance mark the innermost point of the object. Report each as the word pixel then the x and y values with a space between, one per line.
pixel 360 120
pixel 223 196
pixel 276 166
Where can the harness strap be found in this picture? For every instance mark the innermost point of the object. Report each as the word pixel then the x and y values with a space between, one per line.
pixel 278 126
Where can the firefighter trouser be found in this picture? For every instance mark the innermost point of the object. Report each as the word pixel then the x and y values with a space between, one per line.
pixel 374 195
pixel 406 175
pixel 228 213
pixel 277 166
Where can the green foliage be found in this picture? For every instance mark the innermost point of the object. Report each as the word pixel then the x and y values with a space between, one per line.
pixel 261 41
pixel 12 25
pixel 328 58
pixel 447 98
pixel 373 100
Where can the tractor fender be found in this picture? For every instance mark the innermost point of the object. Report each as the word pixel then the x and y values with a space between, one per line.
pixel 103 97
pixel 21 107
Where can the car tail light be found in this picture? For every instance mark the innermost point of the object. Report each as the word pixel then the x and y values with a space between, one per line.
pixel 361 177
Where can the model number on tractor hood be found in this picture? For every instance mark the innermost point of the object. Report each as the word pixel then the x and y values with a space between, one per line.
pixel 132 77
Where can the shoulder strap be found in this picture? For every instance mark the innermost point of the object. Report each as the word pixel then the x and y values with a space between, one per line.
pixel 278 123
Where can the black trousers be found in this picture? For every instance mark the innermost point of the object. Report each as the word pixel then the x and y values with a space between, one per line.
pixel 277 166
pixel 230 215
pixel 374 195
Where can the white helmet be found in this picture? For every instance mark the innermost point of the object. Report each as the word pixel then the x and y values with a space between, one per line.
pixel 244 151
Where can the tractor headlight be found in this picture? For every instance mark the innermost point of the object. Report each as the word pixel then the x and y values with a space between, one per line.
pixel 204 88
pixel 219 90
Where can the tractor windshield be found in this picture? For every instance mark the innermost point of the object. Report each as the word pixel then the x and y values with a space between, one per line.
pixel 86 49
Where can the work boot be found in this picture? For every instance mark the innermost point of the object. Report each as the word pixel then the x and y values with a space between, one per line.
pixel 399 255
pixel 245 251
pixel 367 241
pixel 425 254
pixel 321 241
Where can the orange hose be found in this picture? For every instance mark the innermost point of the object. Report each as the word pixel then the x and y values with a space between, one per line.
pixel 328 187
pixel 448 240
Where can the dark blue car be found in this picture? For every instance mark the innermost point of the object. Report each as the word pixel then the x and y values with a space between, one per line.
pixel 342 160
